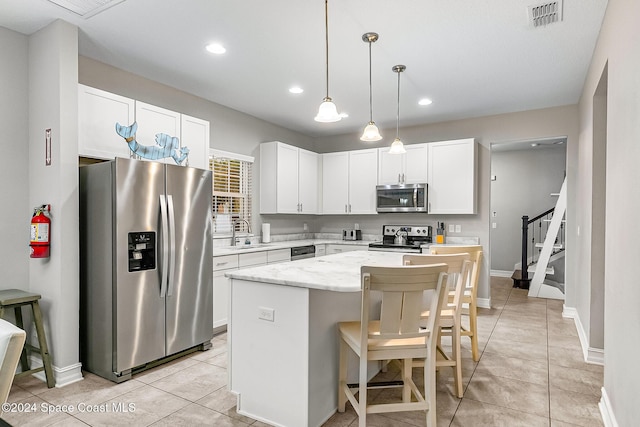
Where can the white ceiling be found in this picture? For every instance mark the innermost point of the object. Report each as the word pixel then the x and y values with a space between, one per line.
pixel 471 57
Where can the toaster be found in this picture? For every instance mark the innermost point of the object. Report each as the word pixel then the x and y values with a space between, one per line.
pixel 351 234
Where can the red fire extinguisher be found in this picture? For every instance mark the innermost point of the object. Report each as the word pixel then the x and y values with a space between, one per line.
pixel 40 232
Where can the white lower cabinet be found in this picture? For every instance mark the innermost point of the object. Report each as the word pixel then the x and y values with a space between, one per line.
pixel 222 265
pixel 321 250
pixel 336 249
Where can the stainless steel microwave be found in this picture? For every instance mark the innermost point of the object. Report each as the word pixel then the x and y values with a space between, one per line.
pixel 401 198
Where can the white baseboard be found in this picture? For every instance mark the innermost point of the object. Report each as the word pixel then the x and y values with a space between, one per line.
pixel 483 302
pixel 64 376
pixel 501 273
pixel 591 355
pixel 608 417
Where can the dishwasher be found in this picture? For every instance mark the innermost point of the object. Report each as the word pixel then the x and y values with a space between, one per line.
pixel 302 252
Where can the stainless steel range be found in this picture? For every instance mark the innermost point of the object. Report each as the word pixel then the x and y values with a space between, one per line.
pixel 403 238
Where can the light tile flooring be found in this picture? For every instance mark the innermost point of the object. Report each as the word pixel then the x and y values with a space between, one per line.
pixel 531 373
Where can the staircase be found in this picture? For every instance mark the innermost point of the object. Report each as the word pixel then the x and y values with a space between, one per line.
pixel 547 255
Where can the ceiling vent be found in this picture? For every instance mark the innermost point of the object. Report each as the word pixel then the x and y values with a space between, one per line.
pixel 547 13
pixel 86 8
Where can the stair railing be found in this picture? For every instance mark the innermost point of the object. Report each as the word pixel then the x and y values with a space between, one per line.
pixel 534 231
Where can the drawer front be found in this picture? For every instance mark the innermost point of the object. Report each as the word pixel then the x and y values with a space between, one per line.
pixel 252 258
pixel 278 255
pixel 225 262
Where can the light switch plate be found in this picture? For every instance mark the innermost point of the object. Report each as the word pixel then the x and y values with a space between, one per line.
pixel 458 228
pixel 451 228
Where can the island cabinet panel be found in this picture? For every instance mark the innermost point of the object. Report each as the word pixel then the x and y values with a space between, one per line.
pixel 339 248
pixel 288 179
pixel 452 177
pixel 349 181
pixel 98 113
pixel 300 342
pixel 407 168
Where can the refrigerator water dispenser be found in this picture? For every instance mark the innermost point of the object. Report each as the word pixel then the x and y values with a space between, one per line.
pixel 142 251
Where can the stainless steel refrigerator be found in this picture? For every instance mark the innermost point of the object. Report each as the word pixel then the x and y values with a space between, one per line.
pixel 145 265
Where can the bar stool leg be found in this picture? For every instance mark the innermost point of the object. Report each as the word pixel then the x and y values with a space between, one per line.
pixel 24 361
pixel 42 342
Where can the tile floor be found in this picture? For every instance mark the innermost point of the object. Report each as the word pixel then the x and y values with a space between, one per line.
pixel 531 373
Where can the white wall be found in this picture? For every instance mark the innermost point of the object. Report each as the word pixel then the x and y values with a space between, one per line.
pixel 53 104
pixel 617 49
pixel 14 172
pixel 524 182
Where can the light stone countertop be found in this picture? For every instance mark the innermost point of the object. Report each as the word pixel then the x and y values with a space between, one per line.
pixel 258 247
pixel 336 272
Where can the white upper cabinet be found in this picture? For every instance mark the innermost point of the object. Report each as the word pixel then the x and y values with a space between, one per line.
pixel 407 168
pixel 452 177
pixel 335 179
pixel 288 179
pixel 153 121
pixel 349 182
pixel 98 113
pixel 195 136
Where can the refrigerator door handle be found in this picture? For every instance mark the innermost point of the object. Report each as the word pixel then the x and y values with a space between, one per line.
pixel 172 245
pixel 165 246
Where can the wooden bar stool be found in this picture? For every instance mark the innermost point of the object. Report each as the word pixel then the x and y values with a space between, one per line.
pixel 15 298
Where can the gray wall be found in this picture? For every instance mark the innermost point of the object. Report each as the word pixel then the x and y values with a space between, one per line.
pixel 616 51
pixel 549 122
pixel 14 173
pixel 524 182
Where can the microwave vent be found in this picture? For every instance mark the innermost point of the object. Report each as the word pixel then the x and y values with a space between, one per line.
pixel 545 13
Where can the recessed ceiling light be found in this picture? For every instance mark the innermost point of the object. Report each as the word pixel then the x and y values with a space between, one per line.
pixel 534 144
pixel 425 101
pixel 344 115
pixel 216 48
pixel 296 89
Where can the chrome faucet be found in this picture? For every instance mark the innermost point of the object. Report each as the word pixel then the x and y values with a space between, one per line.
pixel 233 229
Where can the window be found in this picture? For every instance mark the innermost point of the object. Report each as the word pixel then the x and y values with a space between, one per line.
pixel 231 194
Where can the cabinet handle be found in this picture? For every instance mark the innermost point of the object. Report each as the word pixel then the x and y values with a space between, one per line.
pixel 222 263
pixel 429 210
pixel 349 208
pixel 345 209
pixel 399 180
pixel 403 178
pixel 300 207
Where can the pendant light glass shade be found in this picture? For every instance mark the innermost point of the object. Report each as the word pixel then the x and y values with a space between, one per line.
pixel 327 112
pixel 371 132
pixel 397 147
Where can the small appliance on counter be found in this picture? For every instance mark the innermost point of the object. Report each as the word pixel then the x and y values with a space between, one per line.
pixel 352 234
pixel 403 238
pixel 440 233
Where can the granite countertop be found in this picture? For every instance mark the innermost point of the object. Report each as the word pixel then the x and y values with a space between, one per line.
pixel 336 272
pixel 257 247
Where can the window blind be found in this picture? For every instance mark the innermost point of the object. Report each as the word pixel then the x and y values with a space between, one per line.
pixel 231 195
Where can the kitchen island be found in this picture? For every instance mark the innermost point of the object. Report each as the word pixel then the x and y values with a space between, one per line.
pixel 283 342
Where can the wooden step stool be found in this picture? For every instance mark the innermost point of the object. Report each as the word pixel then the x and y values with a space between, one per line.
pixel 15 298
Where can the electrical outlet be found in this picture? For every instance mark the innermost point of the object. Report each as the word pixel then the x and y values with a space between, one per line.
pixel 494 225
pixel 266 313
pixel 458 228
pixel 451 228
pixel 305 227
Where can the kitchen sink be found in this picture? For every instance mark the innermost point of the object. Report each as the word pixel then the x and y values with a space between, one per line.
pixel 251 246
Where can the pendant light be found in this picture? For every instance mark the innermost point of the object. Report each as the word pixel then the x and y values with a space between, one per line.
pixel 371 132
pixel 397 147
pixel 327 112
